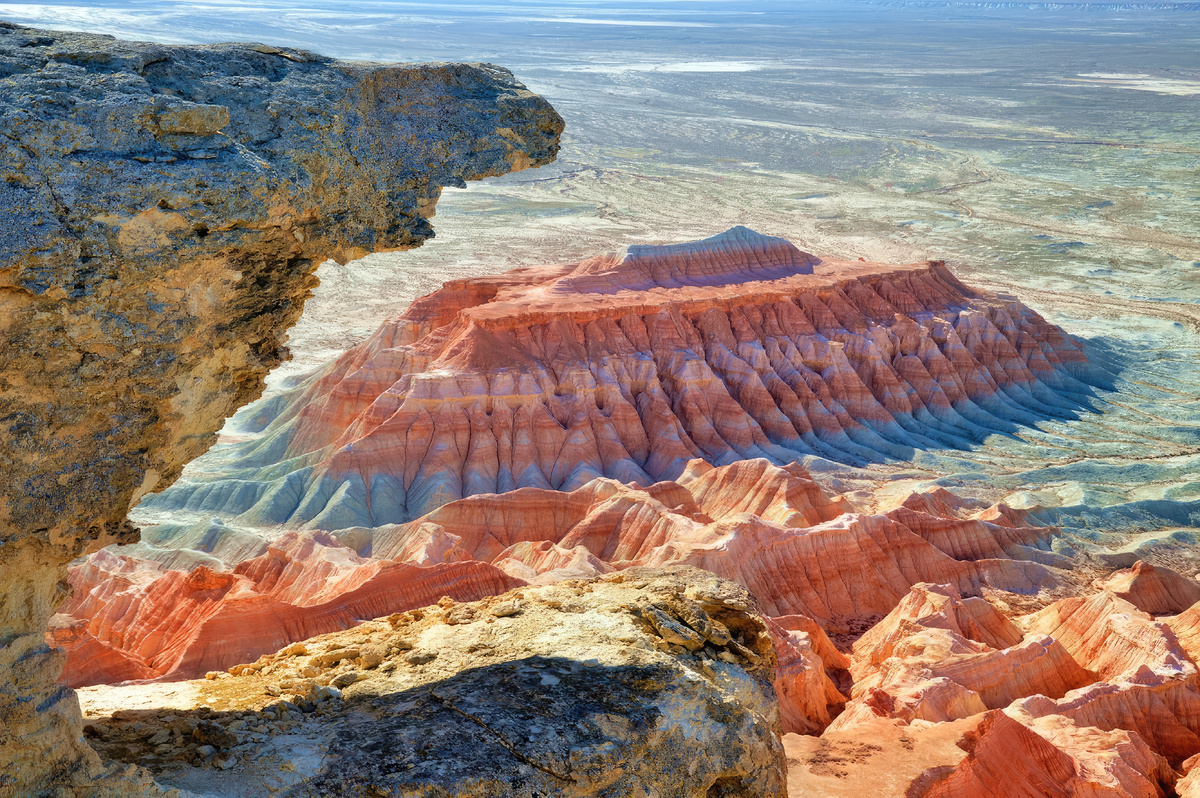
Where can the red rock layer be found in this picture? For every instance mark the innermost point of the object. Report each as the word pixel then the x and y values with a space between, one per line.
pixel 810 560
pixel 1186 626
pixel 1112 637
pixel 1156 590
pixel 151 622
pixel 1011 759
pixel 631 365
pixel 806 662
pixel 938 657
pixel 1098 697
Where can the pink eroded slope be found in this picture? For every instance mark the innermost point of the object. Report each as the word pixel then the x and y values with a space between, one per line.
pixel 152 622
pixel 632 364
pixel 809 558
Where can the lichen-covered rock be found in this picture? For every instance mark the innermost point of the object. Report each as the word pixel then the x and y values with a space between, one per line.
pixel 162 211
pixel 577 694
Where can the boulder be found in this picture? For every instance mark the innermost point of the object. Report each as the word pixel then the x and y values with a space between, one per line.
pixel 579 694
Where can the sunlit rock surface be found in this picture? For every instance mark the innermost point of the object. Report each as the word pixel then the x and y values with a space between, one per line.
pixel 1156 590
pixel 575 690
pixel 161 215
pixel 547 426
pixel 813 563
pixel 939 657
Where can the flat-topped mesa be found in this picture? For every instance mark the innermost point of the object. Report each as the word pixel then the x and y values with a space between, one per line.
pixel 162 211
pixel 742 347
pixel 737 256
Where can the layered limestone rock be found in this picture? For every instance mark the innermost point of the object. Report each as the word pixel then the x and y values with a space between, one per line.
pixel 630 365
pixel 635 682
pixel 161 215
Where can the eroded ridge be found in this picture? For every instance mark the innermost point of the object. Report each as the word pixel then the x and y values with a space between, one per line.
pixel 162 211
pixel 813 561
pixel 629 365
pixel 912 651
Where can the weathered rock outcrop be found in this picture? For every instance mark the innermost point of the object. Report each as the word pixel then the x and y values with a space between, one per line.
pixel 162 211
pixel 809 559
pixel 1156 590
pixel 643 682
pixel 632 364
pixel 939 657
pixel 1052 760
pixel 1112 637
pixel 1186 626
pixel 181 624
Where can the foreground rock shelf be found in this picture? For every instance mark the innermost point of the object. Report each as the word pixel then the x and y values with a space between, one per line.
pixel 162 212
pixel 588 687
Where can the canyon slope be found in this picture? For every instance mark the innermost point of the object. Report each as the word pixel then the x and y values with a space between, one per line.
pixel 164 209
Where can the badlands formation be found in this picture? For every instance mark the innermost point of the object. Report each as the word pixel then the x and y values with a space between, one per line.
pixel 572 530
pixel 492 468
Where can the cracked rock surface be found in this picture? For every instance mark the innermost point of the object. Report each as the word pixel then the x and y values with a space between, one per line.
pixel 566 690
pixel 162 211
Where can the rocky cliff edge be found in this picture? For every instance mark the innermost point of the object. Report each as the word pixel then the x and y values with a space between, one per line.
pixel 162 211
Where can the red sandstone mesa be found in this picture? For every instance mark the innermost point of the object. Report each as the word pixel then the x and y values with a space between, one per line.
pixel 632 364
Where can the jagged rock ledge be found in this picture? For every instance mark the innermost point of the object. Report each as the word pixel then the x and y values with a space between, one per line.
pixel 162 211
pixel 645 680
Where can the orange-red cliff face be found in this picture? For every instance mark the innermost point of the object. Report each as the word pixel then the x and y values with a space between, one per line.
pixel 630 365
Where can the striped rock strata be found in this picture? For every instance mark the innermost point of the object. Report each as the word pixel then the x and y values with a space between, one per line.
pixel 632 364
pixel 811 561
